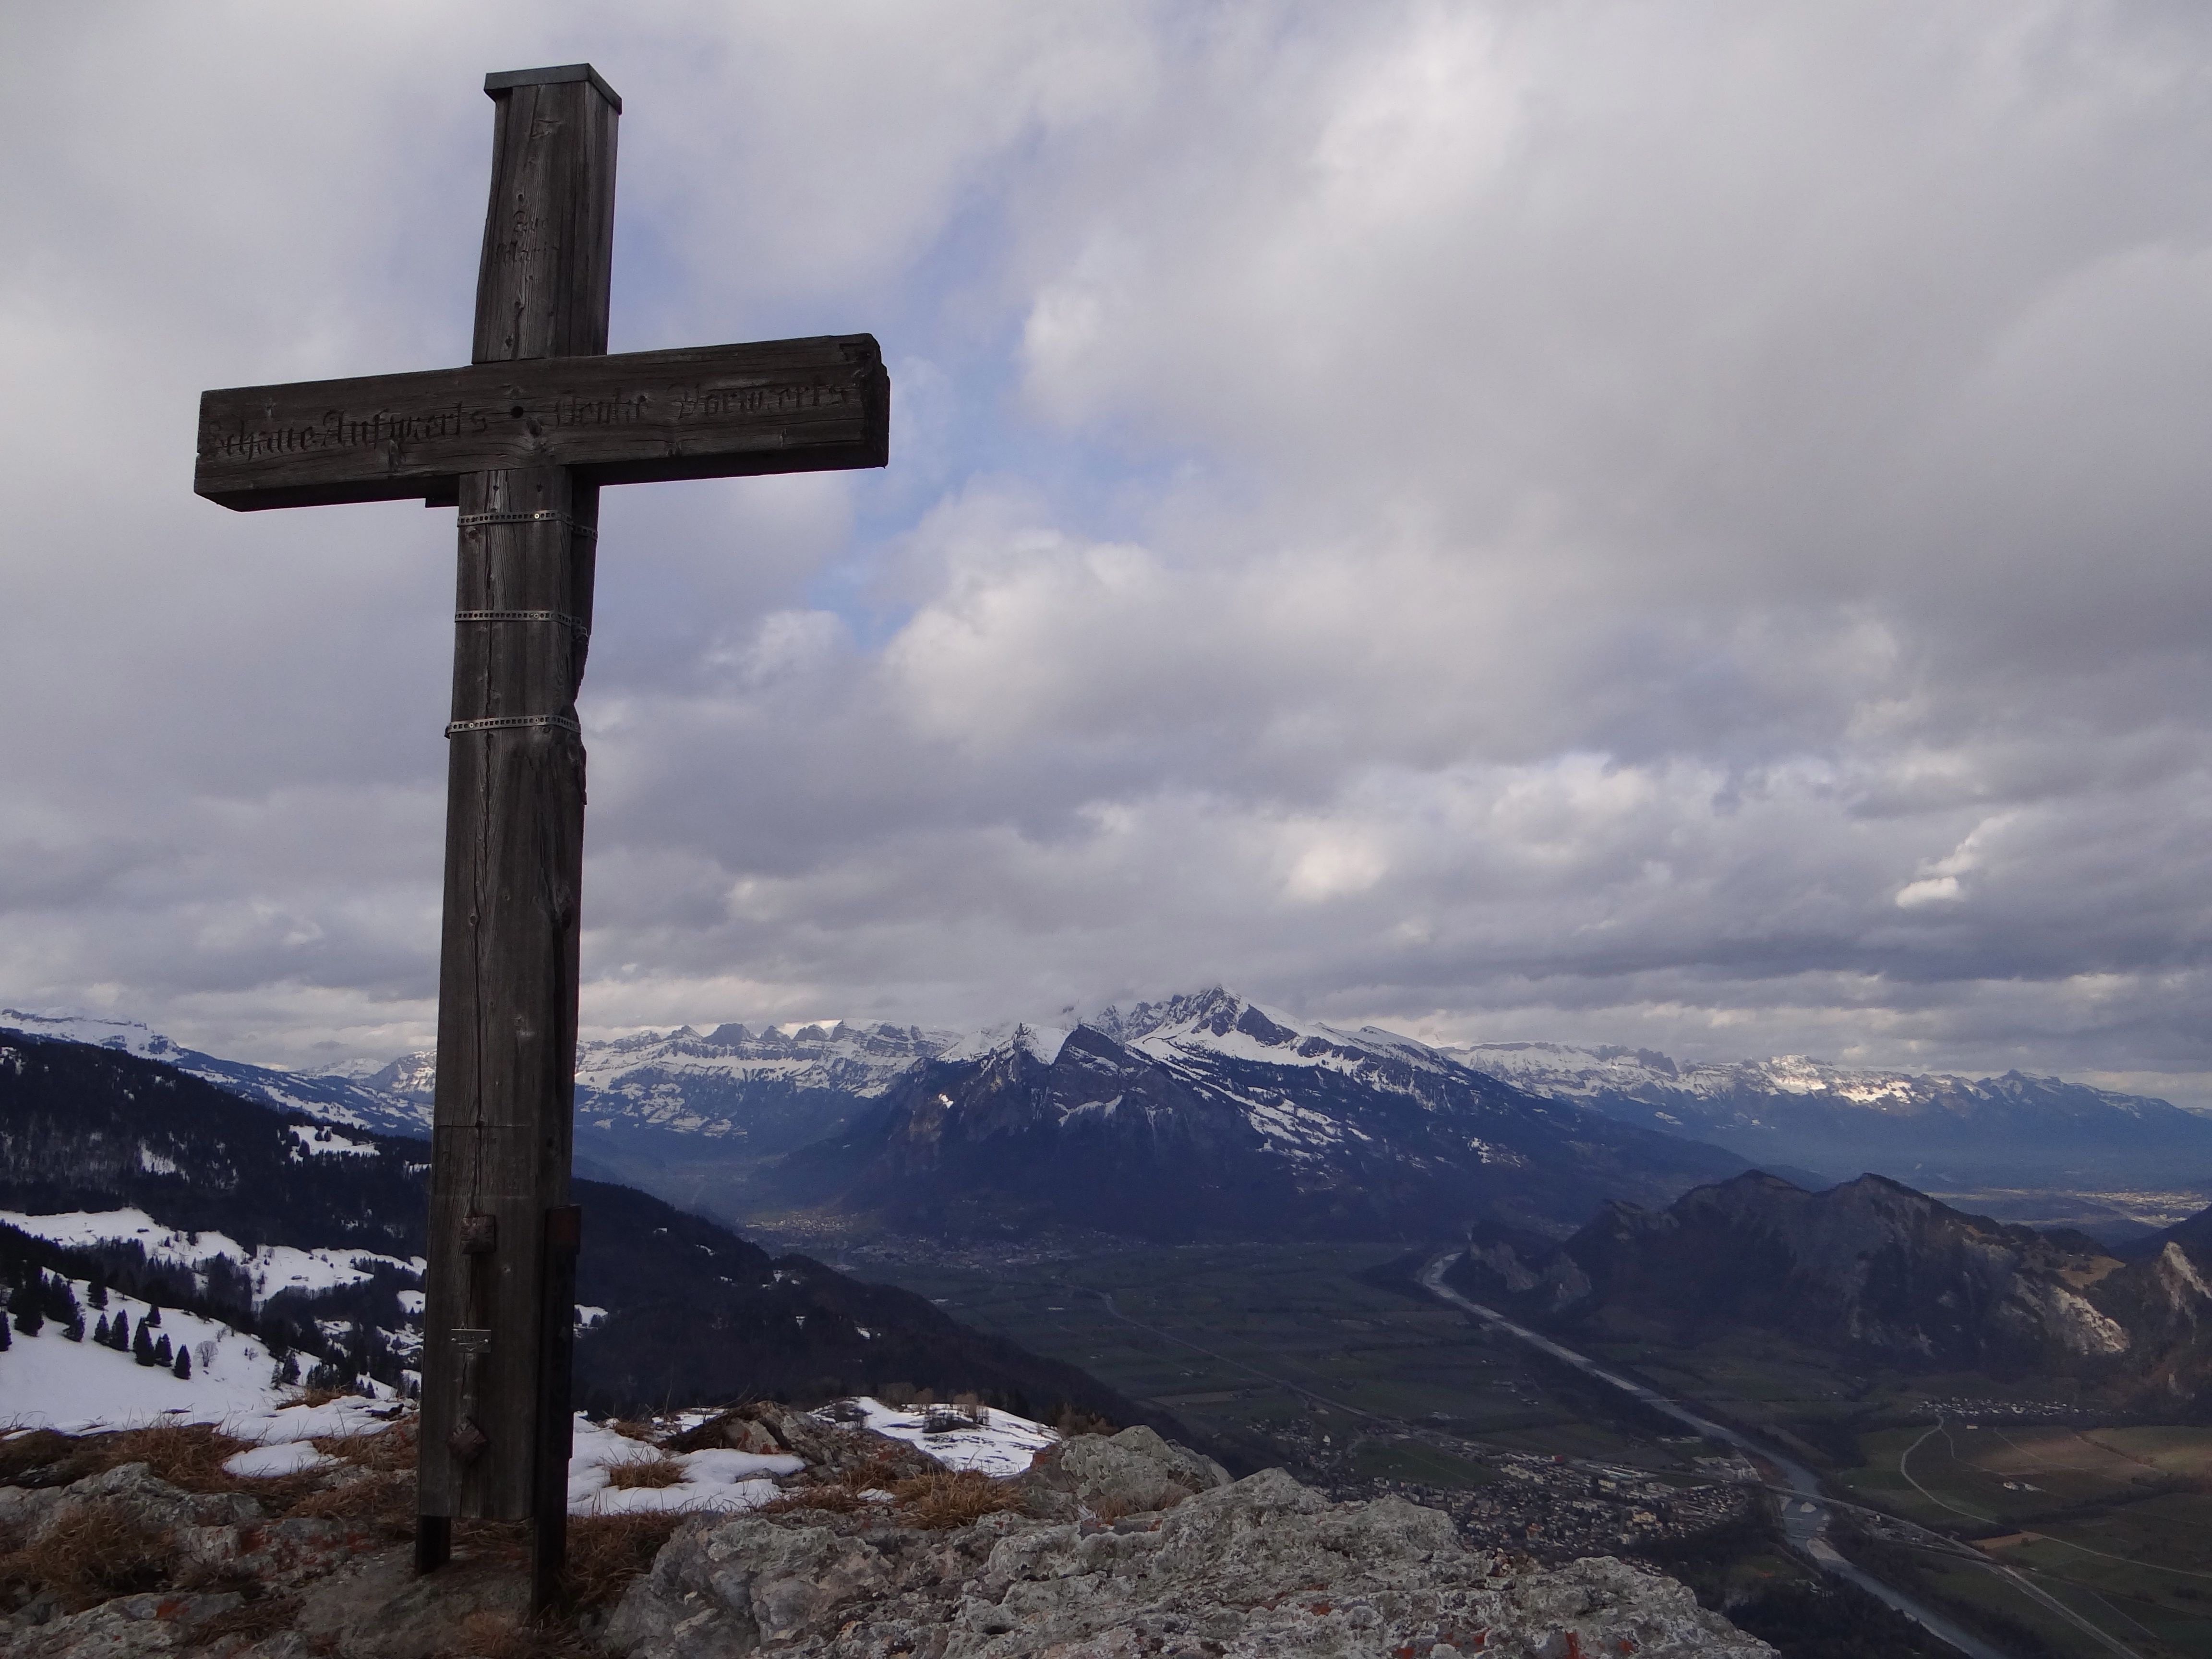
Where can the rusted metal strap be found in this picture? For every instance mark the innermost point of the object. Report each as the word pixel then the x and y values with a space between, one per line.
pixel 543 515
pixel 513 723
pixel 577 623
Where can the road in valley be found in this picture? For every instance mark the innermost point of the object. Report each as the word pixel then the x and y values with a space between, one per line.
pixel 1805 1507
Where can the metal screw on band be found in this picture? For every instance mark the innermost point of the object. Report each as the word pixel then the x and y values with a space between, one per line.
pixel 576 623
pixel 543 515
pixel 514 723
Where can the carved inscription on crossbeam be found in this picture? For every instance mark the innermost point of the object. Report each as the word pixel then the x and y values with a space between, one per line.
pixel 710 412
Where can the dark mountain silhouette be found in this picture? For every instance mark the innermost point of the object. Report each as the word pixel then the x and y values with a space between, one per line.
pixel 694 1314
pixel 1870 1268
pixel 1208 1116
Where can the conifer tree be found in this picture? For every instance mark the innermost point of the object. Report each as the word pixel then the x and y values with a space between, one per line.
pixel 162 1357
pixel 153 1313
pixel 96 1292
pixel 183 1368
pixel 141 1346
pixel 100 1331
pixel 6 1340
pixel 75 1329
pixel 24 1304
pixel 118 1333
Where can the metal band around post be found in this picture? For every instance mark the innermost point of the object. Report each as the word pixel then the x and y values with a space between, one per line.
pixel 514 723
pixel 543 515
pixel 575 624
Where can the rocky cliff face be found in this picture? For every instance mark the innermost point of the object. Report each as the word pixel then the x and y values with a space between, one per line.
pixel 1870 1266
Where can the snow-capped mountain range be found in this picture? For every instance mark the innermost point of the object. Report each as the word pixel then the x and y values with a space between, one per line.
pixel 1207 1116
pixel 1925 1129
pixel 340 1097
pixel 704 1117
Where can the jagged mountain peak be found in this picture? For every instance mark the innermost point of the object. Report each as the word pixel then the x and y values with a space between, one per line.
pixel 1216 1011
pixel 1218 1025
pixel 1041 1043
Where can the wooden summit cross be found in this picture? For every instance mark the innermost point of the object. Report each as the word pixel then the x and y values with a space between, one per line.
pixel 520 441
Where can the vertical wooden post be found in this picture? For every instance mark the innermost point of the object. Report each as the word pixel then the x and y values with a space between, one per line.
pixel 499 1289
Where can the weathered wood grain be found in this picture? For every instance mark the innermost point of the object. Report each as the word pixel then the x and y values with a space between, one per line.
pixel 543 279
pixel 808 405
pixel 495 1425
pixel 508 978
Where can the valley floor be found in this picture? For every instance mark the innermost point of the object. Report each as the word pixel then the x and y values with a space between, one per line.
pixel 1329 1360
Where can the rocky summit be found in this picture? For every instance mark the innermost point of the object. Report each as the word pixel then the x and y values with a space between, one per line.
pixel 1108 1547
pixel 1131 1548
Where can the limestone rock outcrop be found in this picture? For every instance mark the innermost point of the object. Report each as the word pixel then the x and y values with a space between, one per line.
pixel 1259 1567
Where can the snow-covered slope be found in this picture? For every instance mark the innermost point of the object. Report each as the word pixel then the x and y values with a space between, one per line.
pixel 48 1381
pixel 1930 1129
pixel 333 1096
pixel 265 1270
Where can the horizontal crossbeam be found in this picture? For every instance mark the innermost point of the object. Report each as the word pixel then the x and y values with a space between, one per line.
pixel 811 405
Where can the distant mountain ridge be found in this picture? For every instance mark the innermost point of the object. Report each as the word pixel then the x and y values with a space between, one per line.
pixel 1872 1271
pixel 1877 1273
pixel 1207 1116
pixel 1927 1129
pixel 335 1096
pixel 708 1118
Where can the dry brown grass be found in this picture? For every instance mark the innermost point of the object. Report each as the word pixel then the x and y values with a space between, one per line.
pixel 634 1428
pixel 92 1552
pixel 381 1502
pixel 387 1449
pixel 506 1542
pixel 24 1453
pixel 842 1495
pixel 952 1498
pixel 658 1470
pixel 498 1636
pixel 831 1499
pixel 605 1552
pixel 258 1619
pixel 187 1455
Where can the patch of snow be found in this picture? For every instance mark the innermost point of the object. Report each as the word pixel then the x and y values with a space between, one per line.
pixel 716 1479
pixel 342 1418
pixel 284 1457
pixel 316 1141
pixel 999 1444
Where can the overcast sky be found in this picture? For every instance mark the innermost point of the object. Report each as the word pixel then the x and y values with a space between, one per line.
pixel 1683 526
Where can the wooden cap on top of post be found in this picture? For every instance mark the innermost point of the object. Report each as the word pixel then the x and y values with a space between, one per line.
pixel 501 80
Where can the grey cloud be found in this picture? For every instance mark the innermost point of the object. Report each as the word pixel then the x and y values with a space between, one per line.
pixel 1511 521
